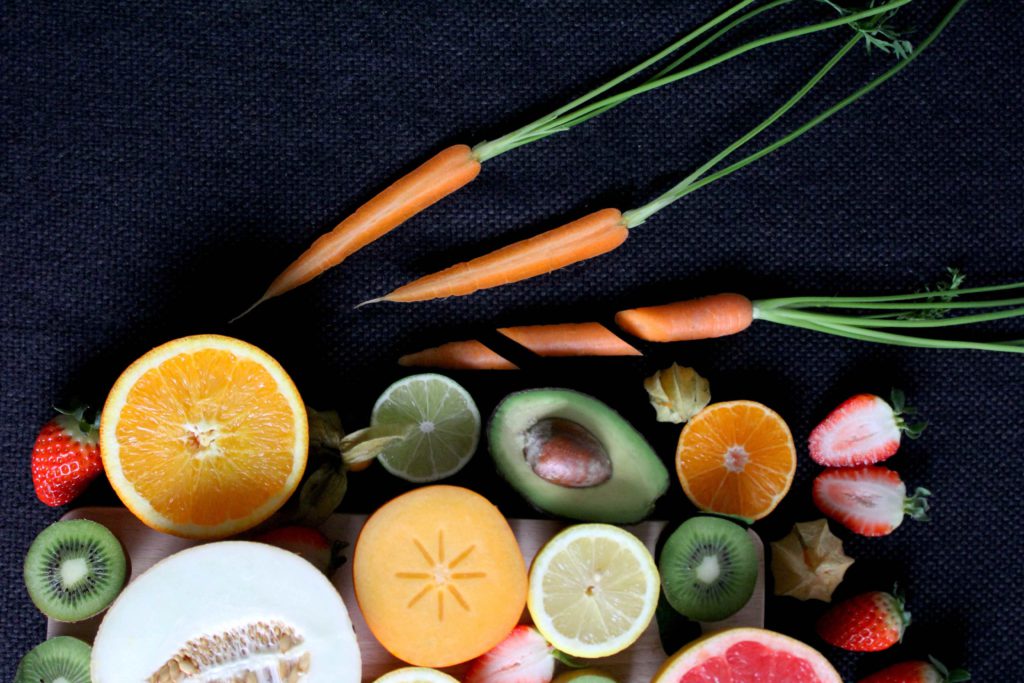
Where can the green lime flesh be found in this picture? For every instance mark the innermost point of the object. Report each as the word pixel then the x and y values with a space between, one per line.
pixel 441 424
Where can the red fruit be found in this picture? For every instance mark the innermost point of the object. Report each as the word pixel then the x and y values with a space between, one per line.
pixel 864 430
pixel 309 544
pixel 867 623
pixel 523 657
pixel 66 457
pixel 870 501
pixel 918 672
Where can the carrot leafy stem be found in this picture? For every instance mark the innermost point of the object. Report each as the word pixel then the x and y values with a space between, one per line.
pixel 584 108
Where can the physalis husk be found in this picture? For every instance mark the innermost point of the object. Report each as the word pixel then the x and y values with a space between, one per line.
pixel 809 563
pixel 677 393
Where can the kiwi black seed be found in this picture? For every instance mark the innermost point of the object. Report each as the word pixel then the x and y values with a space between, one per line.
pixel 63 659
pixel 74 569
pixel 708 568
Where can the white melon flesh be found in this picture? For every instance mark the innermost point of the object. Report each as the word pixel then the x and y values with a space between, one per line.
pixel 228 612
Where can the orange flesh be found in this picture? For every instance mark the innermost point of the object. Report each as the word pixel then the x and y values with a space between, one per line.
pixel 459 355
pixel 188 442
pixel 569 339
pixel 439 576
pixel 710 316
pixel 736 458
pixel 590 236
pixel 433 180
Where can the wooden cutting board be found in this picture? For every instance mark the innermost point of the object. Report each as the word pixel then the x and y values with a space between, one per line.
pixel 637 664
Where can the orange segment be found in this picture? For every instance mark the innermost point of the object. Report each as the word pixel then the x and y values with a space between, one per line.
pixel 204 437
pixel 439 576
pixel 736 458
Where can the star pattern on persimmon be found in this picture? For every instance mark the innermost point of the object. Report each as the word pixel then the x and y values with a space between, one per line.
pixel 440 576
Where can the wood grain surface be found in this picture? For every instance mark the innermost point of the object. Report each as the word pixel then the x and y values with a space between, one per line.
pixel 637 664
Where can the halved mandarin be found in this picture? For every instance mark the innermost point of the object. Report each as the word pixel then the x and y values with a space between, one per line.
pixel 439 576
pixel 736 458
pixel 204 437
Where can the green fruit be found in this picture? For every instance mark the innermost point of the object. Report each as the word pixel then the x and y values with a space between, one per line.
pixel 573 456
pixel 708 568
pixel 74 570
pixel 59 660
pixel 439 424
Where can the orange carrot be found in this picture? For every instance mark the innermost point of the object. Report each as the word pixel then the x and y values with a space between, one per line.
pixel 710 316
pixel 436 178
pixel 460 355
pixel 570 339
pixel 590 236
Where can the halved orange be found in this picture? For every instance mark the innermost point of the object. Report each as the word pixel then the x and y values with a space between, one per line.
pixel 204 437
pixel 736 458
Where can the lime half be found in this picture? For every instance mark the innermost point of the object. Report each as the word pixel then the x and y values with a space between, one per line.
pixel 442 423
pixel 593 590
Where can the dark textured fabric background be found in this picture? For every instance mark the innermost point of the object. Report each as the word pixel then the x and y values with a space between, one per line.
pixel 162 161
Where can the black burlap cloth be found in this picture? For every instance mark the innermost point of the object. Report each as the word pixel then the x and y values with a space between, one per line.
pixel 161 162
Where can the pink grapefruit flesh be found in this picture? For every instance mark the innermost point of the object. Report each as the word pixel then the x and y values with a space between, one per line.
pixel 747 655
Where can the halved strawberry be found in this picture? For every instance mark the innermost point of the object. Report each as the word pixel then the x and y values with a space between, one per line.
pixel 931 671
pixel 523 657
pixel 869 622
pixel 864 430
pixel 870 501
pixel 309 544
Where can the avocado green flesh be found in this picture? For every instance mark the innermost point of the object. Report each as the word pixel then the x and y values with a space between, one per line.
pixel 638 476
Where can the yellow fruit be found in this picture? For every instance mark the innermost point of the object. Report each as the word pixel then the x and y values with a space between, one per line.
pixel 593 590
pixel 204 437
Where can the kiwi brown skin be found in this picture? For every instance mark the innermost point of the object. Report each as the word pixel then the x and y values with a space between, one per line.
pixel 87 542
pixel 708 543
pixel 60 658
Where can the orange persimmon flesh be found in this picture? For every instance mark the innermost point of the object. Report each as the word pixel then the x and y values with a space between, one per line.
pixel 439 576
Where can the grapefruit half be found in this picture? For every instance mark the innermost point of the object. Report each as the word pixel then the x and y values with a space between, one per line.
pixel 746 655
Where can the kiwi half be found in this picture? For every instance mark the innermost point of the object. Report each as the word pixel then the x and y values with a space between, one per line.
pixel 62 659
pixel 74 569
pixel 708 568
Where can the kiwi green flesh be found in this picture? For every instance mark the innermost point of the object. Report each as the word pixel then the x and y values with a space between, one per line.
pixel 59 660
pixel 74 570
pixel 708 568
pixel 637 476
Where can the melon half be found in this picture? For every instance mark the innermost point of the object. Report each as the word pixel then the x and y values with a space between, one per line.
pixel 228 611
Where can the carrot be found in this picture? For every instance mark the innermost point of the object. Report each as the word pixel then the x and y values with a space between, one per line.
pixel 570 339
pixel 711 316
pixel 543 254
pixel 433 180
pixel 459 355
pixel 456 166
pixel 590 236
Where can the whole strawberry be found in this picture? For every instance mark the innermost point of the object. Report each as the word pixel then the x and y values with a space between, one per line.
pixel 66 457
pixel 863 430
pixel 869 500
pixel 931 671
pixel 866 623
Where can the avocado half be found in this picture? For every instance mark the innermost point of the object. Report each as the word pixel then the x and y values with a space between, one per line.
pixel 637 478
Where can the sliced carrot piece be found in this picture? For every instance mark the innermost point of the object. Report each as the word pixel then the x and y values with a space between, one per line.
pixel 570 339
pixel 458 355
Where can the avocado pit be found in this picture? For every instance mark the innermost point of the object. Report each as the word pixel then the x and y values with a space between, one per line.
pixel 565 453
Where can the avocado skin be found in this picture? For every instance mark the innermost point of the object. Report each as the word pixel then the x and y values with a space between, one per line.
pixel 638 480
